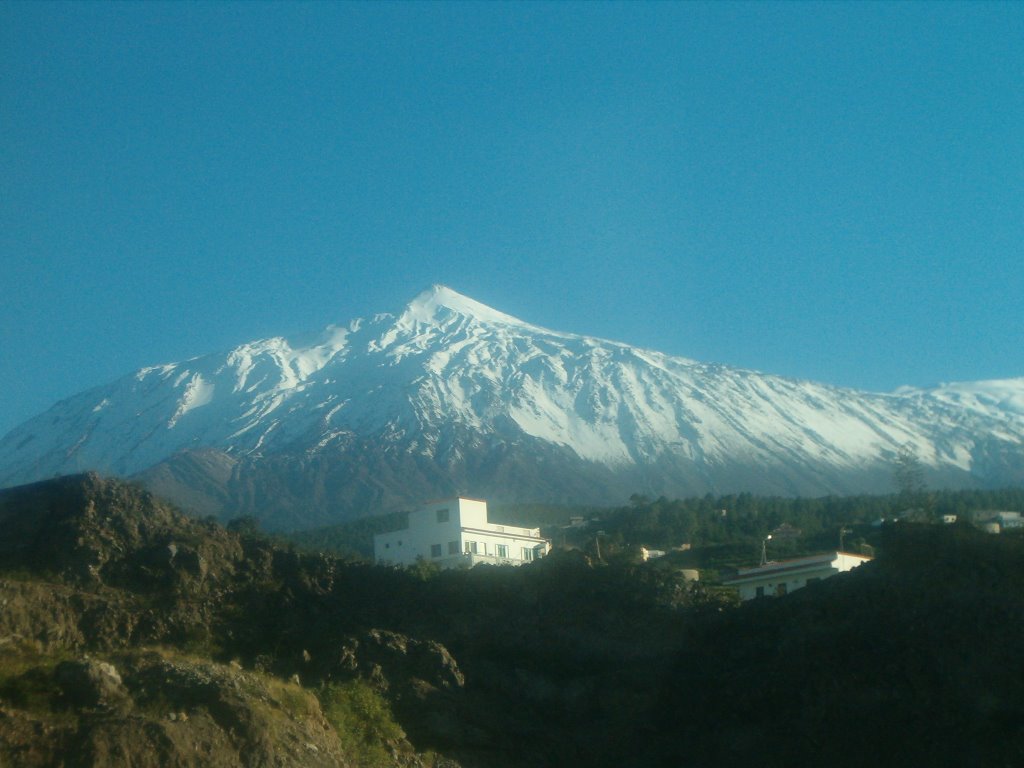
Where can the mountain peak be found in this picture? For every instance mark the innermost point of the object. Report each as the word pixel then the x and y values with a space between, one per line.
pixel 440 301
pixel 452 391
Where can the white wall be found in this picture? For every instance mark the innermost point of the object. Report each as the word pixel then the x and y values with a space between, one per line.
pixel 433 538
pixel 473 513
pixel 770 582
pixel 424 532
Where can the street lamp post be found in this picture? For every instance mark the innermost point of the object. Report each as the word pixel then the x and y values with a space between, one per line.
pixel 843 530
pixel 764 549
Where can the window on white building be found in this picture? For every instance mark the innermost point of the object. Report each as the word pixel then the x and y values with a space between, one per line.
pixel 442 515
pixel 471 547
pixel 435 550
pixel 501 550
pixel 527 553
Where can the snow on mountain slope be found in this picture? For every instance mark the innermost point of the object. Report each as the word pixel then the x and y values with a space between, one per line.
pixel 448 367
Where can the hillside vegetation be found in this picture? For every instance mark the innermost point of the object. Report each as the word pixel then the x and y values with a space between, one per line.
pixel 132 634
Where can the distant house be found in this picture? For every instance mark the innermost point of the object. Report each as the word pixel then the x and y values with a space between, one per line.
pixel 786 531
pixel 994 521
pixel 456 533
pixel 650 554
pixel 781 578
pixel 1009 520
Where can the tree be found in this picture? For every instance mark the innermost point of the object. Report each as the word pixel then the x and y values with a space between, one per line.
pixel 909 477
pixel 908 473
pixel 246 525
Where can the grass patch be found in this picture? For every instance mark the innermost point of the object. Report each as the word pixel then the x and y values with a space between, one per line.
pixel 363 721
pixel 26 677
pixel 22 574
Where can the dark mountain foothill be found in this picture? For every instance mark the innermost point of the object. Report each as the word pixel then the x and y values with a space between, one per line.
pixel 131 634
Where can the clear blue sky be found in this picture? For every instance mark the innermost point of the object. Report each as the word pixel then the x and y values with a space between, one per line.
pixel 824 191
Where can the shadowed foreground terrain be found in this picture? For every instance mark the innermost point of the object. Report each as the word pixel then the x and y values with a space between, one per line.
pixel 133 635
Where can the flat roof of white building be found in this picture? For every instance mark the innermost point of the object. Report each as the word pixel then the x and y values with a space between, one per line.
pixel 787 567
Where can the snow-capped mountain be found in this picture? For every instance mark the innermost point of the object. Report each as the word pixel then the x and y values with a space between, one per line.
pixel 451 395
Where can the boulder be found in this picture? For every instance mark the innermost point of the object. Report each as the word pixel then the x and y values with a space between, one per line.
pixel 391 657
pixel 90 684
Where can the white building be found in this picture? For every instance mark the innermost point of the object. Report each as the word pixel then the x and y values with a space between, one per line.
pixel 455 533
pixel 777 579
pixel 994 521
pixel 650 554
pixel 1009 520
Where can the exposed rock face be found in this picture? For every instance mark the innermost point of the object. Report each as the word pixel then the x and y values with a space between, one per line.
pixel 90 684
pixel 384 656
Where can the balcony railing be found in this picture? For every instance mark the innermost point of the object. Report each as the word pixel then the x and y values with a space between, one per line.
pixel 469 559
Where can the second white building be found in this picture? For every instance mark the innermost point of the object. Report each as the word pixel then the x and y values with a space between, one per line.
pixel 456 532
pixel 778 579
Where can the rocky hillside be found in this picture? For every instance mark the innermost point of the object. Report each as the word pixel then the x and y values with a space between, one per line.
pixel 912 660
pixel 134 635
pixel 118 620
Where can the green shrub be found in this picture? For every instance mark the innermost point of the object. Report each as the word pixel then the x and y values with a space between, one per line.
pixel 363 721
pixel 26 678
pixel 424 570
